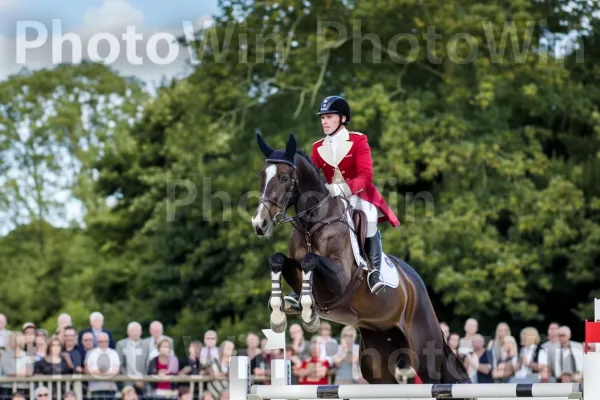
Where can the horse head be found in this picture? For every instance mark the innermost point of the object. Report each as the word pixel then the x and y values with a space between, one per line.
pixel 288 179
pixel 278 185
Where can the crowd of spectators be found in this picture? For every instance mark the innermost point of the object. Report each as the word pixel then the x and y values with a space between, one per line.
pixel 503 359
pixel 320 359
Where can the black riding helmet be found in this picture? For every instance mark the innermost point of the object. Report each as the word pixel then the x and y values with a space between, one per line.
pixel 335 105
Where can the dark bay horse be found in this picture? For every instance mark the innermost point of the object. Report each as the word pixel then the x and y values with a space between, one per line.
pixel 320 265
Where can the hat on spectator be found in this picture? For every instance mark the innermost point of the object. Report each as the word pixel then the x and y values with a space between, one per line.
pixel 29 325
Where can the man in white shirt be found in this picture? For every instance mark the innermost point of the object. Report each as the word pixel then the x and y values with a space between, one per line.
pixel 102 361
pixel 567 360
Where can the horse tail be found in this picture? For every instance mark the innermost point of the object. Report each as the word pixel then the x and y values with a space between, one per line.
pixel 453 369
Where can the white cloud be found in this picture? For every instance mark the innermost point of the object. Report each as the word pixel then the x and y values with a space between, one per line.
pixel 115 32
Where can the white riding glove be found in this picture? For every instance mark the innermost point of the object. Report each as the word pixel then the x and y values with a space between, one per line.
pixel 334 189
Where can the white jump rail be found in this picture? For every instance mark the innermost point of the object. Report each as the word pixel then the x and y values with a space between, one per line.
pixel 240 387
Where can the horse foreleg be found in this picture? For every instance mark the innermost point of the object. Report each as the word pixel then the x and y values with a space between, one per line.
pixel 279 264
pixel 310 319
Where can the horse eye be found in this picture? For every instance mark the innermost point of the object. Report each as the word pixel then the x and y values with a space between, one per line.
pixel 285 178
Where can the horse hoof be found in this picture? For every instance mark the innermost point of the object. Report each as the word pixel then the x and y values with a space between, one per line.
pixel 278 317
pixel 310 319
pixel 312 326
pixel 278 321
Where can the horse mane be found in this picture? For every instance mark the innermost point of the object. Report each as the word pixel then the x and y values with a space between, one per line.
pixel 303 154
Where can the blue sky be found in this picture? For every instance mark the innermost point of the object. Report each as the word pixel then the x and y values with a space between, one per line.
pixel 89 18
pixel 156 13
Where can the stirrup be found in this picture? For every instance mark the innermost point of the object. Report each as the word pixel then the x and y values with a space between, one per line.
pixel 291 303
pixel 379 285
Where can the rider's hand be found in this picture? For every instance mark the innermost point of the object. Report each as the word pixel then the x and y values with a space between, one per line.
pixel 334 189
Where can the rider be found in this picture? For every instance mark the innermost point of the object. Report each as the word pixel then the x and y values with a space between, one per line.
pixel 345 159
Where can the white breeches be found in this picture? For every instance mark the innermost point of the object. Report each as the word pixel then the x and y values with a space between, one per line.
pixel 369 209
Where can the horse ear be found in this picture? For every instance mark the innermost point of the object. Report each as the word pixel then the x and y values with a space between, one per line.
pixel 290 149
pixel 264 147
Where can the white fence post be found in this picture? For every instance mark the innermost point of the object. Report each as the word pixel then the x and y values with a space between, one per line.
pixel 239 378
pixel 281 373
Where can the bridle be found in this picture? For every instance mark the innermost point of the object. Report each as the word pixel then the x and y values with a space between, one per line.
pixel 282 217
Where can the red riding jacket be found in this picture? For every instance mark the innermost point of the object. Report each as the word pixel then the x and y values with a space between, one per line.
pixel 355 170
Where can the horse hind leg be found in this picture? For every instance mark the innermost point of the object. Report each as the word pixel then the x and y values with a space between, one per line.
pixel 379 355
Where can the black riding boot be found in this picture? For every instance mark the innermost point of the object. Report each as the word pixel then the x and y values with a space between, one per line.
pixel 292 301
pixel 373 247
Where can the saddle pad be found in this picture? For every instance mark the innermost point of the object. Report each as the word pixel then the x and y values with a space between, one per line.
pixel 389 272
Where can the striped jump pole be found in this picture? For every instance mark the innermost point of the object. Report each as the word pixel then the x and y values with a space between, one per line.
pixel 241 388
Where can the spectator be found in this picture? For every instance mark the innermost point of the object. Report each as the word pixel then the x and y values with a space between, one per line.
pixel 165 363
pixel 552 337
pixel 314 370
pixel 17 396
pixel 29 330
pixel 295 361
pixel 471 327
pixel 260 365
pixel 190 365
pixel 41 347
pixel 567 360
pixel 183 393
pixel 252 351
pixel 300 345
pixel 495 345
pixel 133 354
pixel 329 346
pixel 218 370
pixel 96 328
pixel 70 347
pixel 55 362
pixel 41 393
pixel 4 333
pixel 156 335
pixel 529 357
pixel 86 345
pixel 70 395
pixel 41 333
pixel 63 321
pixel 15 362
pixel 445 330
pixel 129 393
pixel 102 361
pixel 479 361
pixel 210 351
pixel 509 361
pixel 346 361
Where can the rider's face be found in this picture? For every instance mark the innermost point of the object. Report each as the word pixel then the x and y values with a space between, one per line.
pixel 330 122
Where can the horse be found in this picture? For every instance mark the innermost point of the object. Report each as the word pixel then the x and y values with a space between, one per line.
pixel 321 266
